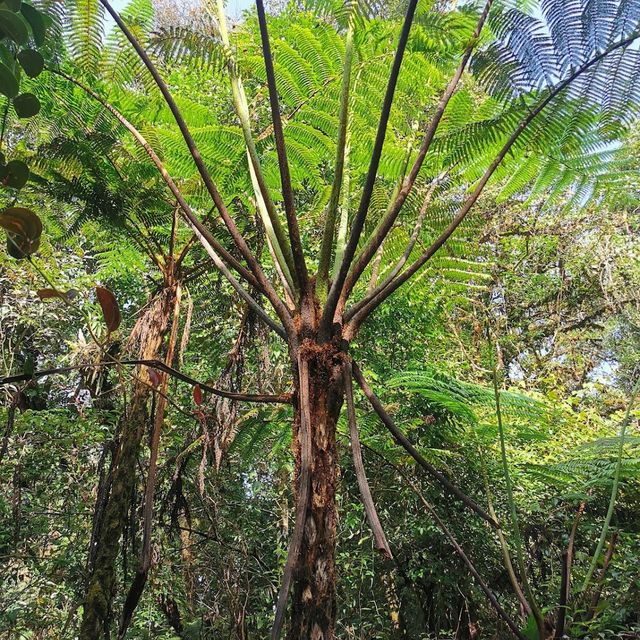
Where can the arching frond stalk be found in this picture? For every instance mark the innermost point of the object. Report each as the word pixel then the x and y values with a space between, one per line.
pixel 402 440
pixel 213 248
pixel 371 302
pixel 329 230
pixel 279 260
pixel 365 199
pixel 283 164
pixel 237 237
pixel 343 225
pixel 363 484
pixel 504 547
pixel 515 526
pixel 241 107
pixel 385 225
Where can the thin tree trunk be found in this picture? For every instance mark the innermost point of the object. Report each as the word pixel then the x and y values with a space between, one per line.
pixel 102 583
pixel 565 584
pixel 101 390
pixel 144 561
pixel 595 599
pixel 102 497
pixel 171 611
pixel 148 334
pixel 11 418
pixel 16 505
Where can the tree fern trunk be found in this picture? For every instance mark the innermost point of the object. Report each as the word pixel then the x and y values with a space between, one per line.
pixel 314 579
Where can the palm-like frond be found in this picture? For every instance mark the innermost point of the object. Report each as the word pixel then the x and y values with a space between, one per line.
pixel 535 51
pixel 85 33
pixel 181 44
pixel 121 67
pixel 467 401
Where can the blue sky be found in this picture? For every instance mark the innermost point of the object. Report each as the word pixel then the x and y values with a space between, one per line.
pixel 234 7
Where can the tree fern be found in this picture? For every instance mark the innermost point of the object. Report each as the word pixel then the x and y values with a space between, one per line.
pixel 532 52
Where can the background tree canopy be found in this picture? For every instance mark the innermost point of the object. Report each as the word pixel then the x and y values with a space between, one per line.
pixel 322 321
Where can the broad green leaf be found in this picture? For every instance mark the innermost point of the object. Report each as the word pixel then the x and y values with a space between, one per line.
pixel 14 26
pixel 6 56
pixel 37 21
pixel 12 5
pixel 26 105
pixel 531 630
pixel 31 61
pixel 8 82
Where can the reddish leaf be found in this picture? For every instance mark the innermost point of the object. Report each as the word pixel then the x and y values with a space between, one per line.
pixel 197 395
pixel 110 309
pixel 154 376
pixel 46 294
pixel 21 222
pixel 23 228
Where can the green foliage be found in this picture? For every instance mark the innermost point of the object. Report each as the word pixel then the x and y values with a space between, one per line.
pixel 22 28
pixel 547 261
pixel 472 404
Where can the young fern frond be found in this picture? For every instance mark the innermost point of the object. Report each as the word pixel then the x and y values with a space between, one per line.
pixel 120 66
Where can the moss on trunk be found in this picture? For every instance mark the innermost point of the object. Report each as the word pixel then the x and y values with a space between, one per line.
pixel 147 337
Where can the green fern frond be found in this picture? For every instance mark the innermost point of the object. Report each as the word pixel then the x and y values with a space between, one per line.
pixel 431 383
pixel 182 45
pixel 85 33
